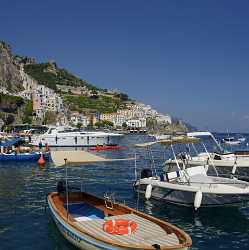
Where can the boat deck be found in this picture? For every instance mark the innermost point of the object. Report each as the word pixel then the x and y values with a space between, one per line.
pixel 147 233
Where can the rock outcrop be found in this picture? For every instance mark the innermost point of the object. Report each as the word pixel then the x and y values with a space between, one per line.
pixel 10 78
pixel 13 79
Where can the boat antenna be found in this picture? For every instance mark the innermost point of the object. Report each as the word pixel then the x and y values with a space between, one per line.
pixel 138 193
pixel 152 161
pixel 135 166
pixel 66 185
pixel 196 151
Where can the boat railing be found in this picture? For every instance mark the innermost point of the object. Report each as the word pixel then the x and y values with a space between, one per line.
pixel 210 184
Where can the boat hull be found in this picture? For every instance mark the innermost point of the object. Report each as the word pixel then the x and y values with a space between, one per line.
pixel 22 157
pixel 83 241
pixel 71 141
pixel 186 198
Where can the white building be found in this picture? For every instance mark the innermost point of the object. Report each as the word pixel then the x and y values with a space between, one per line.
pixel 163 118
pixel 120 119
pixel 136 123
pixel 79 118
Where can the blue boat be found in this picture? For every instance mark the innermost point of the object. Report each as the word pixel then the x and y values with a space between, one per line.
pixel 14 155
pixel 32 156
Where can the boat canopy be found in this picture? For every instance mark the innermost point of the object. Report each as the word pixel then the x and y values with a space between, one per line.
pixel 173 140
pixel 180 140
pixel 199 134
pixel 146 144
pixel 60 158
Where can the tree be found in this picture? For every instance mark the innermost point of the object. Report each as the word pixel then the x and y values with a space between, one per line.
pixel 98 124
pixel 151 123
pixel 124 125
pixel 79 125
pixel 9 119
pixel 50 117
pixel 104 123
pixel 27 112
pixel 123 97
pixel 94 92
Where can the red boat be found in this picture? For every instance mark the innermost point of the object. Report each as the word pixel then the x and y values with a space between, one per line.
pixel 105 147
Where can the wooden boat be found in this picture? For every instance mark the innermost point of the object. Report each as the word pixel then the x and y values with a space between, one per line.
pixel 82 224
pixel 82 217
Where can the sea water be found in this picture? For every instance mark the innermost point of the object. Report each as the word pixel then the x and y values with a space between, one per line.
pixel 25 222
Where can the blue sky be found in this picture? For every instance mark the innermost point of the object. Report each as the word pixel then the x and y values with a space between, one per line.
pixel 184 57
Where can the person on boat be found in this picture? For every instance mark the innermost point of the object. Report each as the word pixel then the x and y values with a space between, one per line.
pixel 40 145
pixel 17 151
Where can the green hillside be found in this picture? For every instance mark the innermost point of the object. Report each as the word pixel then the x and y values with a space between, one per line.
pixel 102 104
pixel 49 75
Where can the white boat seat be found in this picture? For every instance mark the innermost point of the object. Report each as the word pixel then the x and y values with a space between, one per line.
pixel 171 176
pixel 200 178
pixel 196 170
pixel 82 218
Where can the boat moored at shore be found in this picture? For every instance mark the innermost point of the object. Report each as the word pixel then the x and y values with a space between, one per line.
pixel 65 136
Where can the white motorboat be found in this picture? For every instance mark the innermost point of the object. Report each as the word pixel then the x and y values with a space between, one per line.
pixel 232 141
pixel 219 158
pixel 242 139
pixel 161 136
pixel 66 136
pixel 189 186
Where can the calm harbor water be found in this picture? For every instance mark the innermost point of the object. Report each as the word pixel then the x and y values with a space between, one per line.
pixel 26 224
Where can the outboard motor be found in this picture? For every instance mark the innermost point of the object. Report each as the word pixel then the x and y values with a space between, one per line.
pixel 146 173
pixel 61 186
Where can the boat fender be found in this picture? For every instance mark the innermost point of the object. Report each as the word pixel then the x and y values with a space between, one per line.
pixel 198 199
pixel 234 169
pixel 41 161
pixel 234 166
pixel 148 192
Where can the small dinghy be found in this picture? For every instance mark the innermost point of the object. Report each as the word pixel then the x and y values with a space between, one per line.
pixel 89 222
pixel 232 141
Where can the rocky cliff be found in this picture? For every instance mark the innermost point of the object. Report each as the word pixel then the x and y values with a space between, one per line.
pixel 10 77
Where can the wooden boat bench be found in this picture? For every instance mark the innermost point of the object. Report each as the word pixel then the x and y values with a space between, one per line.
pixel 147 232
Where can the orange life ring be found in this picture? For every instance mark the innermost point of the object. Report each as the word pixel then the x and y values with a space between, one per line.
pixel 120 226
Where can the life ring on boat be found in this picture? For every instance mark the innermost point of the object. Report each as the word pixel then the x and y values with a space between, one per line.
pixel 120 226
